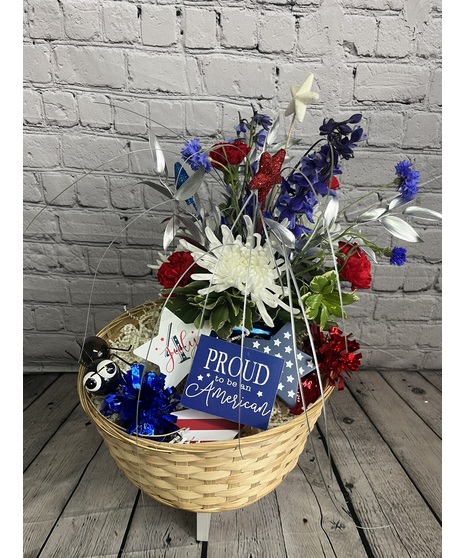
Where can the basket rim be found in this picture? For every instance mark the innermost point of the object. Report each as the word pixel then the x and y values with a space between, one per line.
pixel 116 431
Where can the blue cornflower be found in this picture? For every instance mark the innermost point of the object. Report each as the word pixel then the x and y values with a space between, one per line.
pixel 409 179
pixel 192 153
pixel 398 256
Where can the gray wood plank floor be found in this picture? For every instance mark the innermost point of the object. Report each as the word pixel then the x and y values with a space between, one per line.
pixel 368 484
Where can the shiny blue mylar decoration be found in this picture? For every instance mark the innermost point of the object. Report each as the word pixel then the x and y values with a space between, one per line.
pixel 180 176
pixel 143 403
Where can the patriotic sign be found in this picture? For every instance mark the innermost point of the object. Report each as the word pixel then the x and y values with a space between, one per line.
pixel 240 388
pixel 174 347
pixel 296 364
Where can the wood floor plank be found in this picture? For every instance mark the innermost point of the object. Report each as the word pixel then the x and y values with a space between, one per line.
pixel 415 445
pixel 252 532
pixel 53 476
pixel 94 521
pixel 190 551
pixel 396 520
pixel 420 395
pixel 312 524
pixel 161 531
pixel 434 377
pixel 34 385
pixel 45 415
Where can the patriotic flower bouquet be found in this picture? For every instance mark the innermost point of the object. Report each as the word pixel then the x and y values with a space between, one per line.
pixel 259 258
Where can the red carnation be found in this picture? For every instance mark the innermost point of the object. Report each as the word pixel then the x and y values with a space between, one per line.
pixel 356 267
pixel 223 154
pixel 170 271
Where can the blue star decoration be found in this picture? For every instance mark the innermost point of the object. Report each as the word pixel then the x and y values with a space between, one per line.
pixel 281 345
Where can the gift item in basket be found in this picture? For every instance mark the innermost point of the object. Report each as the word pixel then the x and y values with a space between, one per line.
pixel 197 426
pixel 233 382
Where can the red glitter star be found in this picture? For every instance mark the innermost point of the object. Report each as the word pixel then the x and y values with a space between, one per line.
pixel 268 174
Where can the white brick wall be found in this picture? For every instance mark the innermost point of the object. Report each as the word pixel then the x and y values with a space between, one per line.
pixel 185 67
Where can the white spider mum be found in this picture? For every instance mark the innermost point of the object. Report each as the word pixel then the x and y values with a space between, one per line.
pixel 246 266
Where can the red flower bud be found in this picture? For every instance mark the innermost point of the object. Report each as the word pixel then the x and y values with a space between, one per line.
pixel 334 183
pixel 224 153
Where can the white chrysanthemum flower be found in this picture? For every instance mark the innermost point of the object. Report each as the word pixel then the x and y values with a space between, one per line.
pixel 246 266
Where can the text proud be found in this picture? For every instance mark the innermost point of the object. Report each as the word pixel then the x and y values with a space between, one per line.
pixel 231 382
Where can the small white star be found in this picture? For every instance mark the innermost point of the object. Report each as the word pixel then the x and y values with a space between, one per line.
pixel 280 386
pixel 256 344
pixel 289 364
pixel 288 349
pixel 300 356
pixel 267 350
pixel 291 393
pixel 301 370
pixel 278 355
pixel 290 379
pixel 301 97
pixel 287 335
pixel 277 342
pixel 259 393
pixel 208 374
pixel 200 377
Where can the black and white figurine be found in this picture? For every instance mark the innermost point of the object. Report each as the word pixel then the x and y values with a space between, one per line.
pixel 102 376
pixel 94 348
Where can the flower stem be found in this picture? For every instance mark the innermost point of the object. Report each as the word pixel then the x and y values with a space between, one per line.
pixel 291 127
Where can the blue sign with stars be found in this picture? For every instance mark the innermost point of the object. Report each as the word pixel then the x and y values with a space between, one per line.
pixel 296 364
pixel 222 383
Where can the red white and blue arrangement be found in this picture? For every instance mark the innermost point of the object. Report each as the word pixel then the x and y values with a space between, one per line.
pixel 258 268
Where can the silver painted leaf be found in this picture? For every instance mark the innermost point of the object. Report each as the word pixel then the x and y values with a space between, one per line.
pixel 282 233
pixel 197 200
pixel 398 201
pixel 171 229
pixel 191 227
pixel 158 187
pixel 400 229
pixel 192 241
pixel 282 144
pixel 272 132
pixel 331 211
pixel 369 252
pixel 191 186
pixel 422 213
pixel 157 154
pixel 372 214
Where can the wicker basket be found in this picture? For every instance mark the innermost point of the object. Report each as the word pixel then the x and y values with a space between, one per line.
pixel 205 477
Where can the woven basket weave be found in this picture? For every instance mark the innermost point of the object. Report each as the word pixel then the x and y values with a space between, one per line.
pixel 203 477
